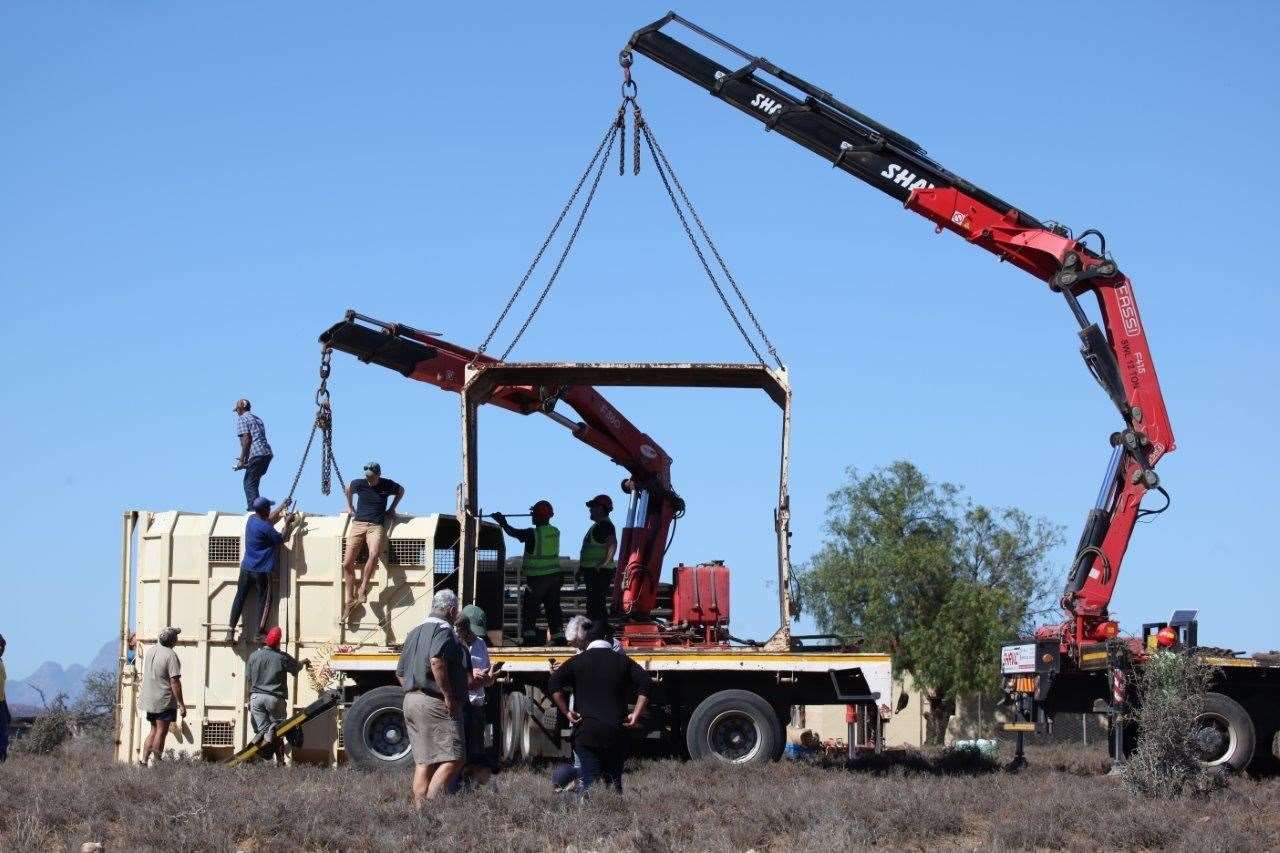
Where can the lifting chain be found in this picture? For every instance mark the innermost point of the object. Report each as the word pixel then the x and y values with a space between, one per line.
pixel 602 149
pixel 324 425
pixel 617 132
pixel 664 171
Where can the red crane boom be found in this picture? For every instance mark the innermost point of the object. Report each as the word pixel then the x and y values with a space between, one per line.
pixel 1116 353
pixel 654 505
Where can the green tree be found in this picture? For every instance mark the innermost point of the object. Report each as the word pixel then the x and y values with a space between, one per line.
pixel 919 570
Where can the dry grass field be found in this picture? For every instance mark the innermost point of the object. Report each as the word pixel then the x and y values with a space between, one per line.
pixel 1062 801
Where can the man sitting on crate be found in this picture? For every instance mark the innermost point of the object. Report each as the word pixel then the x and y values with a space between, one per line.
pixel 268 674
pixel 371 519
pixel 541 569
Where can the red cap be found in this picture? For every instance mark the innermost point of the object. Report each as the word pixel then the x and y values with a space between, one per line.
pixel 542 507
pixel 273 637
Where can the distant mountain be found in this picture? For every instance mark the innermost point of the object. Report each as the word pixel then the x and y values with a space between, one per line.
pixel 51 679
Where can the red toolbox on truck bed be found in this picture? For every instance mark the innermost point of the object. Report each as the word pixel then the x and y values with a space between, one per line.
pixel 701 594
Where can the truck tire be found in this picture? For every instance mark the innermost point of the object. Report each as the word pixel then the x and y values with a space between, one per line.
pixel 515 716
pixel 735 727
pixel 1226 738
pixel 374 733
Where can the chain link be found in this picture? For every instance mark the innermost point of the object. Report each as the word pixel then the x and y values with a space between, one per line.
pixel 324 425
pixel 773 351
pixel 724 300
pixel 573 235
pixel 568 205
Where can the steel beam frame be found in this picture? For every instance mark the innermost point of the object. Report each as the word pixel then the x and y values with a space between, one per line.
pixel 482 380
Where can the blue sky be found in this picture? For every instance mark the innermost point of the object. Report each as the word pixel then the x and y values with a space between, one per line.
pixel 190 193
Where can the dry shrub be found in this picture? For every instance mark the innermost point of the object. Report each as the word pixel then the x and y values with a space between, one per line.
pixel 49 731
pixel 1171 688
pixel 78 795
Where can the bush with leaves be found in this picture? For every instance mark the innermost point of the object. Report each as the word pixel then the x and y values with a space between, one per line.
pixel 916 569
pixel 1170 688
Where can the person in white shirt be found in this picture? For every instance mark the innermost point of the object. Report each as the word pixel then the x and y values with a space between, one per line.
pixel 481 762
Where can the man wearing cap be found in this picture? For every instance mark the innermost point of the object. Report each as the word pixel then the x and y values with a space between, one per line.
pixel 161 693
pixel 541 568
pixel 470 626
pixel 255 453
pixel 596 558
pixel 261 546
pixel 371 518
pixel 268 674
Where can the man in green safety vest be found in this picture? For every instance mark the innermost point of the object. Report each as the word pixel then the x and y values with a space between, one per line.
pixel 541 568
pixel 599 546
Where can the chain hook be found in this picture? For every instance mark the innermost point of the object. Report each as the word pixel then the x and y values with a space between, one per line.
pixel 629 88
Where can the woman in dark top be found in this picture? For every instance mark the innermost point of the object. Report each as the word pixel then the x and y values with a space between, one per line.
pixel 602 680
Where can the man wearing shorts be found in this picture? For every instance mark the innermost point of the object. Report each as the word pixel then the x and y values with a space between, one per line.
pixel 268 674
pixel 161 693
pixel 371 517
pixel 432 671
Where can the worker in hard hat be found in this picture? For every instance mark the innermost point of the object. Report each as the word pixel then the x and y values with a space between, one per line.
pixel 541 569
pixel 268 672
pixel 596 559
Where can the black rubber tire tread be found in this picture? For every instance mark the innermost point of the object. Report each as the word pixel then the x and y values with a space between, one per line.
pixel 1241 725
pixel 752 704
pixel 359 754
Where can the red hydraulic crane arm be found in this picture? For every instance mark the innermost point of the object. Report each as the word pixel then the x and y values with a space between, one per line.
pixel 427 358
pixel 1116 352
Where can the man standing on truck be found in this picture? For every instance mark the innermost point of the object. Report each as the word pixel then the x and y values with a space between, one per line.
pixel 161 693
pixel 255 453
pixel 432 671
pixel 371 519
pixel 601 680
pixel 595 561
pixel 261 547
pixel 268 674
pixel 541 569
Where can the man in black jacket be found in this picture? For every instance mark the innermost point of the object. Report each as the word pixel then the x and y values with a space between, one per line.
pixel 602 680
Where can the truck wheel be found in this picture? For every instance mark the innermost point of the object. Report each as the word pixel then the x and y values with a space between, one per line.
pixel 515 716
pixel 733 726
pixel 1224 735
pixel 374 733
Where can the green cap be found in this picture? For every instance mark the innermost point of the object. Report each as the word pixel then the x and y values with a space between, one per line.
pixel 476 617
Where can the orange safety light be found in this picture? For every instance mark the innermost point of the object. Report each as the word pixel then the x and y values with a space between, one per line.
pixel 1166 637
pixel 1106 631
pixel 851 713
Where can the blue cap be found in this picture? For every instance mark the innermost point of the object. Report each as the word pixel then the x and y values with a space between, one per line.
pixel 262 503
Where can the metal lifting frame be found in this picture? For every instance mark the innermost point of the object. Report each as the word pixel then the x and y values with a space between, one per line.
pixel 1116 353
pixel 483 380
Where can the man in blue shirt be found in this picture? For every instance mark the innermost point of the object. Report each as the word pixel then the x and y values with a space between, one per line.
pixel 371 519
pixel 261 546
pixel 255 453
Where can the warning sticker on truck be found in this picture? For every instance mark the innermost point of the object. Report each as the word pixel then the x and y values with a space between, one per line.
pixel 1017 659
